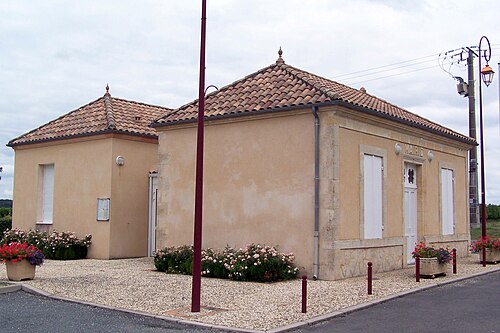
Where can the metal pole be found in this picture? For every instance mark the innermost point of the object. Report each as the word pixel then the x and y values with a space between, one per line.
pixel 473 190
pixel 369 278
pixel 417 268
pixel 481 132
pixel 304 293
pixel 454 261
pixel 198 211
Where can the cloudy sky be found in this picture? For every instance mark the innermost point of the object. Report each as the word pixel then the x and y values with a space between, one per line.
pixel 58 55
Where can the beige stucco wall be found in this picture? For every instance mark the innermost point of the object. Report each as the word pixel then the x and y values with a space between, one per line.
pixel 259 185
pixel 357 134
pixel 129 201
pixel 84 170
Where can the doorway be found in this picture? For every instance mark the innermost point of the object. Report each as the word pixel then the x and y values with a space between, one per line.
pixel 153 213
pixel 410 209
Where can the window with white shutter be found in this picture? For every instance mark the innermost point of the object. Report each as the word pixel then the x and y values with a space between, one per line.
pixel 447 222
pixel 47 193
pixel 372 170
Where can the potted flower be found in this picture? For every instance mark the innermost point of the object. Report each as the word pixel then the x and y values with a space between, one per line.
pixel 21 260
pixel 492 247
pixel 433 262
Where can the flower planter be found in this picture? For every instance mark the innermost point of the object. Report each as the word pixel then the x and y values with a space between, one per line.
pixel 20 270
pixel 492 256
pixel 431 268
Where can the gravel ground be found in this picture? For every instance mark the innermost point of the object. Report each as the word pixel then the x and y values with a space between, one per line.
pixel 134 284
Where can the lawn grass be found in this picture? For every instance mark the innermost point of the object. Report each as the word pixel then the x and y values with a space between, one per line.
pixel 492 229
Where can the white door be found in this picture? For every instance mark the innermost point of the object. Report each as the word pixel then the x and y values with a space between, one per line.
pixel 410 210
pixel 153 213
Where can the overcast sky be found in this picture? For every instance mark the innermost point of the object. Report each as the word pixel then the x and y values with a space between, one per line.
pixel 56 56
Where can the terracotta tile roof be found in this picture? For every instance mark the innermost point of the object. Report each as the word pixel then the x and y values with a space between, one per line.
pixel 281 86
pixel 104 115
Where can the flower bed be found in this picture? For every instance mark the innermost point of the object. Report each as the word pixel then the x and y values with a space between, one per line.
pixel 253 263
pixel 56 245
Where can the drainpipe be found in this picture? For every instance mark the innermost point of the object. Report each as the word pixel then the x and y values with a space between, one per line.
pixel 316 193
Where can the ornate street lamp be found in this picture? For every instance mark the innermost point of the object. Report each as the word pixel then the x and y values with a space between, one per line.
pixel 486 74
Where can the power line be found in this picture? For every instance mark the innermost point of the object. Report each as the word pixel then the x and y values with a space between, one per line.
pixel 391 69
pixel 374 68
pixel 402 73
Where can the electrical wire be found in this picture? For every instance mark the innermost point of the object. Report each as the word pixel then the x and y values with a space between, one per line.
pixel 446 61
pixel 385 70
pixel 397 74
pixel 374 68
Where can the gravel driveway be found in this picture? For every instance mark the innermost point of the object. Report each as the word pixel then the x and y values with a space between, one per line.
pixel 135 284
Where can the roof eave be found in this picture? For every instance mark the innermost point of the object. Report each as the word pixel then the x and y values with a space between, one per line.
pixel 12 144
pixel 241 114
pixel 355 107
pixel 329 103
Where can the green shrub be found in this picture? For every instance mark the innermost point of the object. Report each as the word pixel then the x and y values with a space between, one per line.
pixel 212 263
pixel 253 263
pixel 176 260
pixel 261 263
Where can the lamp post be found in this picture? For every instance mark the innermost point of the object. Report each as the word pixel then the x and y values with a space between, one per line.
pixel 486 75
pixel 198 210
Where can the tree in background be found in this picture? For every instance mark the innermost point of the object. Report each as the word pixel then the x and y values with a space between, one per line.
pixel 493 212
pixel 5 219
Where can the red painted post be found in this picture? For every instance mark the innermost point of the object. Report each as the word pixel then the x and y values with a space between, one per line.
pixel 304 293
pixel 484 256
pixel 417 268
pixel 198 200
pixel 369 278
pixel 454 261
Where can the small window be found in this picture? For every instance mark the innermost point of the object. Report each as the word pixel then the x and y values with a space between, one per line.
pixel 373 226
pixel 102 209
pixel 447 207
pixel 46 193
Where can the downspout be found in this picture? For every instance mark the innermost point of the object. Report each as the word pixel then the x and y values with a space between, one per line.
pixel 316 193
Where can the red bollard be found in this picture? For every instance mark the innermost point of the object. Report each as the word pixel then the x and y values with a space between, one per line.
pixel 369 278
pixel 417 268
pixel 484 256
pixel 454 261
pixel 304 293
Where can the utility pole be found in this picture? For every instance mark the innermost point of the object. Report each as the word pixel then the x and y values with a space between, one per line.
pixel 468 90
pixel 473 178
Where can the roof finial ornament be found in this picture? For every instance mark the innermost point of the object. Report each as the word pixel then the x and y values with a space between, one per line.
pixel 280 59
pixel 107 88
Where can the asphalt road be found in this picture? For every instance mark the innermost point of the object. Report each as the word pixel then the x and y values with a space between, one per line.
pixel 468 306
pixel 24 312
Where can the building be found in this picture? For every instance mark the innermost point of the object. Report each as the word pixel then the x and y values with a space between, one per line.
pixel 87 172
pixel 333 174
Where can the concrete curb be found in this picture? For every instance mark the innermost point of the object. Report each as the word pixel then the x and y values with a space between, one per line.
pixel 10 288
pixel 296 325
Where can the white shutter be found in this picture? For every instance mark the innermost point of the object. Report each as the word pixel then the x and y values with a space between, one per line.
pixel 447 208
pixel 372 196
pixel 47 193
